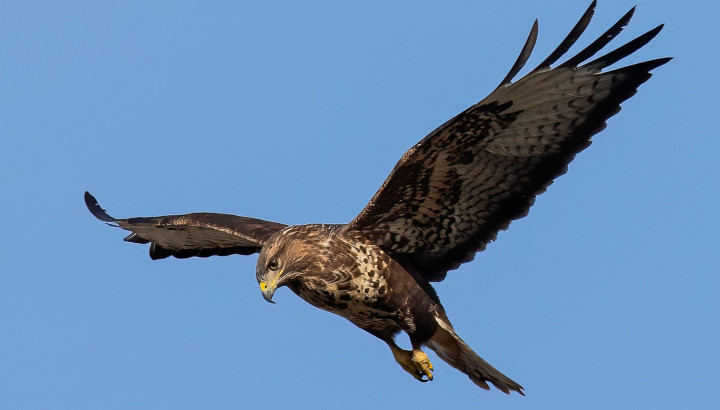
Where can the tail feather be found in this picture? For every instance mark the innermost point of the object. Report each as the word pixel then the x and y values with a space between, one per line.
pixel 453 350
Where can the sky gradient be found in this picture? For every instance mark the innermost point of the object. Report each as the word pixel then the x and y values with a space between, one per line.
pixel 605 296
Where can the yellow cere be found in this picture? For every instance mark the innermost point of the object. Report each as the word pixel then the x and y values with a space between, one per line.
pixel 263 286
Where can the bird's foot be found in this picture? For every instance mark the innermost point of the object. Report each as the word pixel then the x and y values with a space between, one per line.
pixel 422 363
pixel 414 362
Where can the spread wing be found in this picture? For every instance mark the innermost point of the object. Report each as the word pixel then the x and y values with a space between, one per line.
pixel 450 194
pixel 196 234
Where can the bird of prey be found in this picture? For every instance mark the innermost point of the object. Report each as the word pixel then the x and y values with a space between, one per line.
pixel 445 200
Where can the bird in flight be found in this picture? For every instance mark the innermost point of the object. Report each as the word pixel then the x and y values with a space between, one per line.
pixel 445 200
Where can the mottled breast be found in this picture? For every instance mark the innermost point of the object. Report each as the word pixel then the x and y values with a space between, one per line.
pixel 353 283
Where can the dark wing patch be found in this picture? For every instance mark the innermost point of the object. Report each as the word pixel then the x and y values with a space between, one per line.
pixel 451 193
pixel 196 234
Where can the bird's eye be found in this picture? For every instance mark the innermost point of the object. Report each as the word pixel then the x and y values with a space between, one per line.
pixel 273 264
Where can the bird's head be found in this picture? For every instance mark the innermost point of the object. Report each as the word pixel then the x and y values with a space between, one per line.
pixel 272 272
pixel 283 260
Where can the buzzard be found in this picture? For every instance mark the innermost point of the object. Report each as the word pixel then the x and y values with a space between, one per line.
pixel 445 200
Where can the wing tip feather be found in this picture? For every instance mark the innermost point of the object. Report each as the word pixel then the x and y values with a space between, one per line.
pixel 97 211
pixel 601 41
pixel 524 55
pixel 570 39
pixel 626 49
pixel 586 53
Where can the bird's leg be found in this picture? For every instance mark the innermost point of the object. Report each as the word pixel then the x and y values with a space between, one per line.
pixel 414 362
pixel 404 359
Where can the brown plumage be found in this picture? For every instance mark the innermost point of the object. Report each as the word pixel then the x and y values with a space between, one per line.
pixel 445 200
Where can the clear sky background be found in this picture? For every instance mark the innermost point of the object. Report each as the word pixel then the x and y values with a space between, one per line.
pixel 606 296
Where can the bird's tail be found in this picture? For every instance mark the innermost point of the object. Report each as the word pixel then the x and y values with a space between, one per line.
pixel 452 349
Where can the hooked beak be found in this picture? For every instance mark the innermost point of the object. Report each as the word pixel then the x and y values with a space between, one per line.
pixel 267 291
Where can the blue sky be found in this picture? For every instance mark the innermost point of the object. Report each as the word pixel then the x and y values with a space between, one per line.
pixel 606 296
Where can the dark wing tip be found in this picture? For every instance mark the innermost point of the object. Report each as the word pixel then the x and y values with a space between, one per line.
pixel 601 62
pixel 645 66
pixel 627 49
pixel 660 61
pixel 524 55
pixel 601 41
pixel 571 38
pixel 96 209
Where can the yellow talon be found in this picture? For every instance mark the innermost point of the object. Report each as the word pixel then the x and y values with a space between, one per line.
pixel 414 362
pixel 422 363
